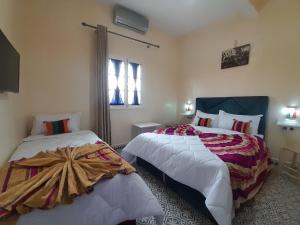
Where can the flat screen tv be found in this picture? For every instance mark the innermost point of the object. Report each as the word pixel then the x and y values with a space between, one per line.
pixel 9 66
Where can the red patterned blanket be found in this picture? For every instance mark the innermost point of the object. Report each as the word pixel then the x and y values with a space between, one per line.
pixel 246 157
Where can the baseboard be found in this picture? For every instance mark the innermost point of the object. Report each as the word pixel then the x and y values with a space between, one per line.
pixel 118 147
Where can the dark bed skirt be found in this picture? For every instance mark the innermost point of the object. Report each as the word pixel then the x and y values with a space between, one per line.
pixel 195 198
pixel 131 222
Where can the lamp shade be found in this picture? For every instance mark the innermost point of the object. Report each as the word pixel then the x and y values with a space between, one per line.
pixel 188 106
pixel 290 112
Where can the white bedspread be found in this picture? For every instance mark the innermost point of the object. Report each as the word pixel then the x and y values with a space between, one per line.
pixel 186 160
pixel 113 200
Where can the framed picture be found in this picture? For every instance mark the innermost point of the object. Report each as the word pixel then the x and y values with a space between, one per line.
pixel 237 56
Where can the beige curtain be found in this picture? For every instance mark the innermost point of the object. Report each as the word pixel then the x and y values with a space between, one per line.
pixel 102 108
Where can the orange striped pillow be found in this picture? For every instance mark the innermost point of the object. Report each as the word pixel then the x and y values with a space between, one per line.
pixel 204 122
pixel 57 127
pixel 240 126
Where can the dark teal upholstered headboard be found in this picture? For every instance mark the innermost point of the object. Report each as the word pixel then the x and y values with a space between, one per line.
pixel 248 105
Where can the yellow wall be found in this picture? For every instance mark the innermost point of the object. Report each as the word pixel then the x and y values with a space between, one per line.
pixel 274 68
pixel 12 120
pixel 60 64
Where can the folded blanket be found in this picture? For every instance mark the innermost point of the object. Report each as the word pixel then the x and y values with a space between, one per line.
pixel 246 156
pixel 56 177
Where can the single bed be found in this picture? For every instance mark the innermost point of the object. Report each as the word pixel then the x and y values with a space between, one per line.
pixel 188 165
pixel 119 200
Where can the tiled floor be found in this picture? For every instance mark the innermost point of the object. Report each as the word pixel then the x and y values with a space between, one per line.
pixel 278 203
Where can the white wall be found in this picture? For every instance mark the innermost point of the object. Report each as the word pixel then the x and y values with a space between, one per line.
pixel 274 68
pixel 60 65
pixel 12 108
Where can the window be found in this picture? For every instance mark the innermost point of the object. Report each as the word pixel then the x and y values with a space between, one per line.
pixel 124 81
pixel 116 82
pixel 134 84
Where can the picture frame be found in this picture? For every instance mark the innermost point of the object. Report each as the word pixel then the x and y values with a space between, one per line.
pixel 237 56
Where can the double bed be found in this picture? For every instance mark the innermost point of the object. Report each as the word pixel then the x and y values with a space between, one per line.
pixel 181 156
pixel 119 200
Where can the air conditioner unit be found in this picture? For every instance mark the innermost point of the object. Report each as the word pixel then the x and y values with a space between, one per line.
pixel 127 18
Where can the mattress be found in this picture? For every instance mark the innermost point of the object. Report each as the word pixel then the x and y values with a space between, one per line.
pixel 121 198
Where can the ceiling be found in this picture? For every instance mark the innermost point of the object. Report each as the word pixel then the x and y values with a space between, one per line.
pixel 178 17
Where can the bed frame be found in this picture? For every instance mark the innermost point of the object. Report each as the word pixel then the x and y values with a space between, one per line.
pixel 248 105
pixel 193 197
pixel 131 222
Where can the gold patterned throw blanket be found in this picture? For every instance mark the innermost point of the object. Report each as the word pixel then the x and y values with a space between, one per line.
pixel 56 177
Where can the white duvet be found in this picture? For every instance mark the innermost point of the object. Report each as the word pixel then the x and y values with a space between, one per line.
pixel 186 160
pixel 113 200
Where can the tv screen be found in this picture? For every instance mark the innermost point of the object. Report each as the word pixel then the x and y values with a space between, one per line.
pixel 9 66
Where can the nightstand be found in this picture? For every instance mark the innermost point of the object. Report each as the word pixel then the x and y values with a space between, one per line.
pixel 187 117
pixel 288 124
pixel 140 128
pixel 291 168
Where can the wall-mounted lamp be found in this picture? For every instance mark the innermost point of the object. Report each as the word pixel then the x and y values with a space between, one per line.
pixel 290 122
pixel 188 114
pixel 188 107
pixel 290 112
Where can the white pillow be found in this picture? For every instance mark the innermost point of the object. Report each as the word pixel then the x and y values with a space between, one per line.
pixel 214 118
pixel 38 122
pixel 226 121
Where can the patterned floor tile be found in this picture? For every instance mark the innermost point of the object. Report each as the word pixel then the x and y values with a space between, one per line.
pixel 278 203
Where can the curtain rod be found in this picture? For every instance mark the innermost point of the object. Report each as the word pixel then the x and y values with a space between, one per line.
pixel 121 35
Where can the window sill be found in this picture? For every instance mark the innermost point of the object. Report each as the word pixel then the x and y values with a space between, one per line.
pixel 124 107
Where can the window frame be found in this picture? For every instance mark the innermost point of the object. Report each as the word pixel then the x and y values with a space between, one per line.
pixel 126 104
